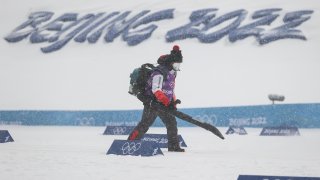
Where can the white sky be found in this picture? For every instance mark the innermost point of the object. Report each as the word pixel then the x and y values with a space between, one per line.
pixel 84 76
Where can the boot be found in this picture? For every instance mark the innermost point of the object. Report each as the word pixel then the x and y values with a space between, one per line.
pixel 135 135
pixel 175 149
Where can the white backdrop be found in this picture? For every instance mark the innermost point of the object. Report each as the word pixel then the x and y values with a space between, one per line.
pixel 83 76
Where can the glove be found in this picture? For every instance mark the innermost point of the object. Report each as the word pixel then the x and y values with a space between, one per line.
pixel 178 101
pixel 173 104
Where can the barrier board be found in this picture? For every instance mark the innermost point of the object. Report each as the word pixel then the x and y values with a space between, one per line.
pixel 162 140
pixel 5 136
pixel 280 131
pixel 118 130
pixel 134 148
pixel 236 130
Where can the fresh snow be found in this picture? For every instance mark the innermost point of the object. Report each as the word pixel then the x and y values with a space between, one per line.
pixel 76 153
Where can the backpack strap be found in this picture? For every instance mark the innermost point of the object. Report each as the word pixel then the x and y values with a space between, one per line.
pixel 148 65
pixel 164 71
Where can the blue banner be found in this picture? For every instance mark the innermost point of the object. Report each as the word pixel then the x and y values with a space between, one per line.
pixel 299 115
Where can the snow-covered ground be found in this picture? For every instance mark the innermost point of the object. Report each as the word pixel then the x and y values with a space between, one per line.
pixel 60 152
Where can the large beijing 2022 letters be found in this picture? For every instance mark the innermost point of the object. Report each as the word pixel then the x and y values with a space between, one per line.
pixel 236 130
pixel 162 140
pixel 118 130
pixel 134 148
pixel 5 136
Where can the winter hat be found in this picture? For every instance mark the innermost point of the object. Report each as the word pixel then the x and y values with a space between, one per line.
pixel 175 54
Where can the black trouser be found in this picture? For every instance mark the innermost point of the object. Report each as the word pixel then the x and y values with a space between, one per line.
pixel 148 117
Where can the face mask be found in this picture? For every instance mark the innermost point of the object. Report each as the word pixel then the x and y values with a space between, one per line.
pixel 176 66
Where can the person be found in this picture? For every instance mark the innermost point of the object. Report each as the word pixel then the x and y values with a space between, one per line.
pixel 160 88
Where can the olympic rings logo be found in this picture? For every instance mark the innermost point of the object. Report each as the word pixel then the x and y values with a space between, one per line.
pixel 119 130
pixel 85 121
pixel 130 148
pixel 210 119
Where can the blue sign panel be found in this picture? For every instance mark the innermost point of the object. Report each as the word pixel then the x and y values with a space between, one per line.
pixel 5 136
pixel 253 177
pixel 118 130
pixel 162 140
pixel 236 130
pixel 298 115
pixel 134 148
pixel 280 131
